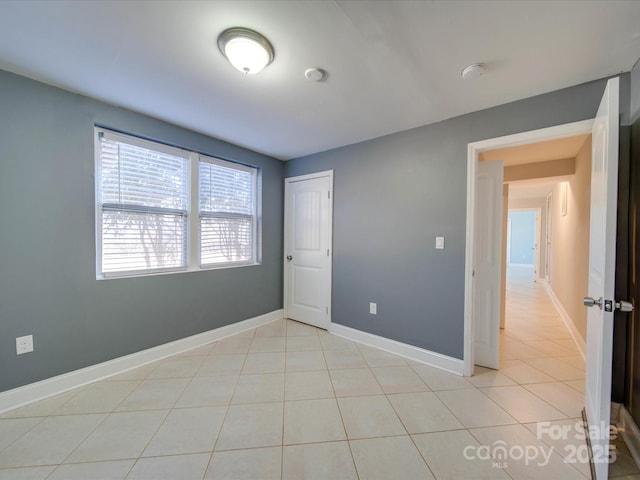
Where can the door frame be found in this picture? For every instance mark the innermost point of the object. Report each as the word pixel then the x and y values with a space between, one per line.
pixel 473 152
pixel 285 283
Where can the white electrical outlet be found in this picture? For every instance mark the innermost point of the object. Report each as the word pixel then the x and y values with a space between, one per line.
pixel 373 308
pixel 24 344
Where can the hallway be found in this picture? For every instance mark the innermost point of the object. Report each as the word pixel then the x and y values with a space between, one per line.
pixel 538 353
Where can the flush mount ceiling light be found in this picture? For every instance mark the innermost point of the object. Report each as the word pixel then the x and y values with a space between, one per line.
pixel 246 50
pixel 473 71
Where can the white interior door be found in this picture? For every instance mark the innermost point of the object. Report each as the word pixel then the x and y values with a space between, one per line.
pixel 307 243
pixel 488 264
pixel 602 238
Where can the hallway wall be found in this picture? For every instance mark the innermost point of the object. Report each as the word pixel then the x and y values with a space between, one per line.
pixel 570 241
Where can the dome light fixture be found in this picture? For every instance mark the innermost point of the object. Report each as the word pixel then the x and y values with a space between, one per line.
pixel 246 50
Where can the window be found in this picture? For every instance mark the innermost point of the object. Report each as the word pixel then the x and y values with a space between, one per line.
pixel 227 221
pixel 145 193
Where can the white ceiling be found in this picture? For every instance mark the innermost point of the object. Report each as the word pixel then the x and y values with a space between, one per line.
pixel 393 65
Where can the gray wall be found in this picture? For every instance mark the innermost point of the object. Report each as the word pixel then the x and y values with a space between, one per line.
pixel 48 285
pixel 393 195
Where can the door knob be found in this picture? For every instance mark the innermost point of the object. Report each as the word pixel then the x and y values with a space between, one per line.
pixel 590 302
pixel 624 306
pixel 609 305
pixel 289 258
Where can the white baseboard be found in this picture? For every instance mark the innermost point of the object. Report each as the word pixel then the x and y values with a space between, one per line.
pixel 577 338
pixel 444 362
pixel 33 392
pixel 630 432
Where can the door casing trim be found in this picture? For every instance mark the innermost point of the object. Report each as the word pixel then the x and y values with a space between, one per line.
pixel 473 152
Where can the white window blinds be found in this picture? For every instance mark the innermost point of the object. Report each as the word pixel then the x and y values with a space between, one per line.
pixel 227 211
pixel 143 195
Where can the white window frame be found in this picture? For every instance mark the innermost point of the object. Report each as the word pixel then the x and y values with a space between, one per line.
pixel 193 218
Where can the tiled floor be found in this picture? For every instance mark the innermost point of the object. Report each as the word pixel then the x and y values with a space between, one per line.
pixel 288 401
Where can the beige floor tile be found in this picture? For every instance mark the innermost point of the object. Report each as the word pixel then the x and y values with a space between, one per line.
pixel 334 342
pixel 251 426
pixel 26 473
pixel 177 367
pixel 546 347
pixel 139 373
pixel 154 394
pixel 208 391
pixel 318 461
pixel 50 441
pixel 267 344
pixel 557 369
pixel 305 361
pixel 399 380
pixel 378 358
pixel 437 379
pixel 567 438
pixel 42 408
pixel 99 397
pixel 297 329
pixel 113 470
pixel 541 462
pixel 187 430
pixel 354 382
pixel 307 385
pixel 256 463
pixel 344 359
pixel 262 388
pixel 170 467
pixel 13 428
pixel 486 377
pixel 273 329
pixel 312 421
pixel 454 455
pixel 366 417
pixel 264 363
pixel 577 385
pixel 303 344
pixel 423 412
pixel 474 409
pixel 520 350
pixel 235 344
pixel 119 436
pixel 561 396
pixel 227 364
pixel 523 405
pixel 576 361
pixel 523 373
pixel 389 458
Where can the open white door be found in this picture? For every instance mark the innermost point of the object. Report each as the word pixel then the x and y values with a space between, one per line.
pixel 307 243
pixel 602 238
pixel 488 264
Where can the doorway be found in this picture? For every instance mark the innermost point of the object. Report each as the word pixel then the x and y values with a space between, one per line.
pixel 577 129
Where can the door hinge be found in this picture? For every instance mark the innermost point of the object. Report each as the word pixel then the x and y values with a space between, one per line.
pixel 329 194
pixel 326 309
pixel 327 252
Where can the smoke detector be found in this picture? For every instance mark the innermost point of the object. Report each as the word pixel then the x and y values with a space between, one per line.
pixel 473 71
pixel 314 74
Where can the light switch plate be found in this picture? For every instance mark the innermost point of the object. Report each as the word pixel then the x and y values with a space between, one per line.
pixel 439 243
pixel 373 308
